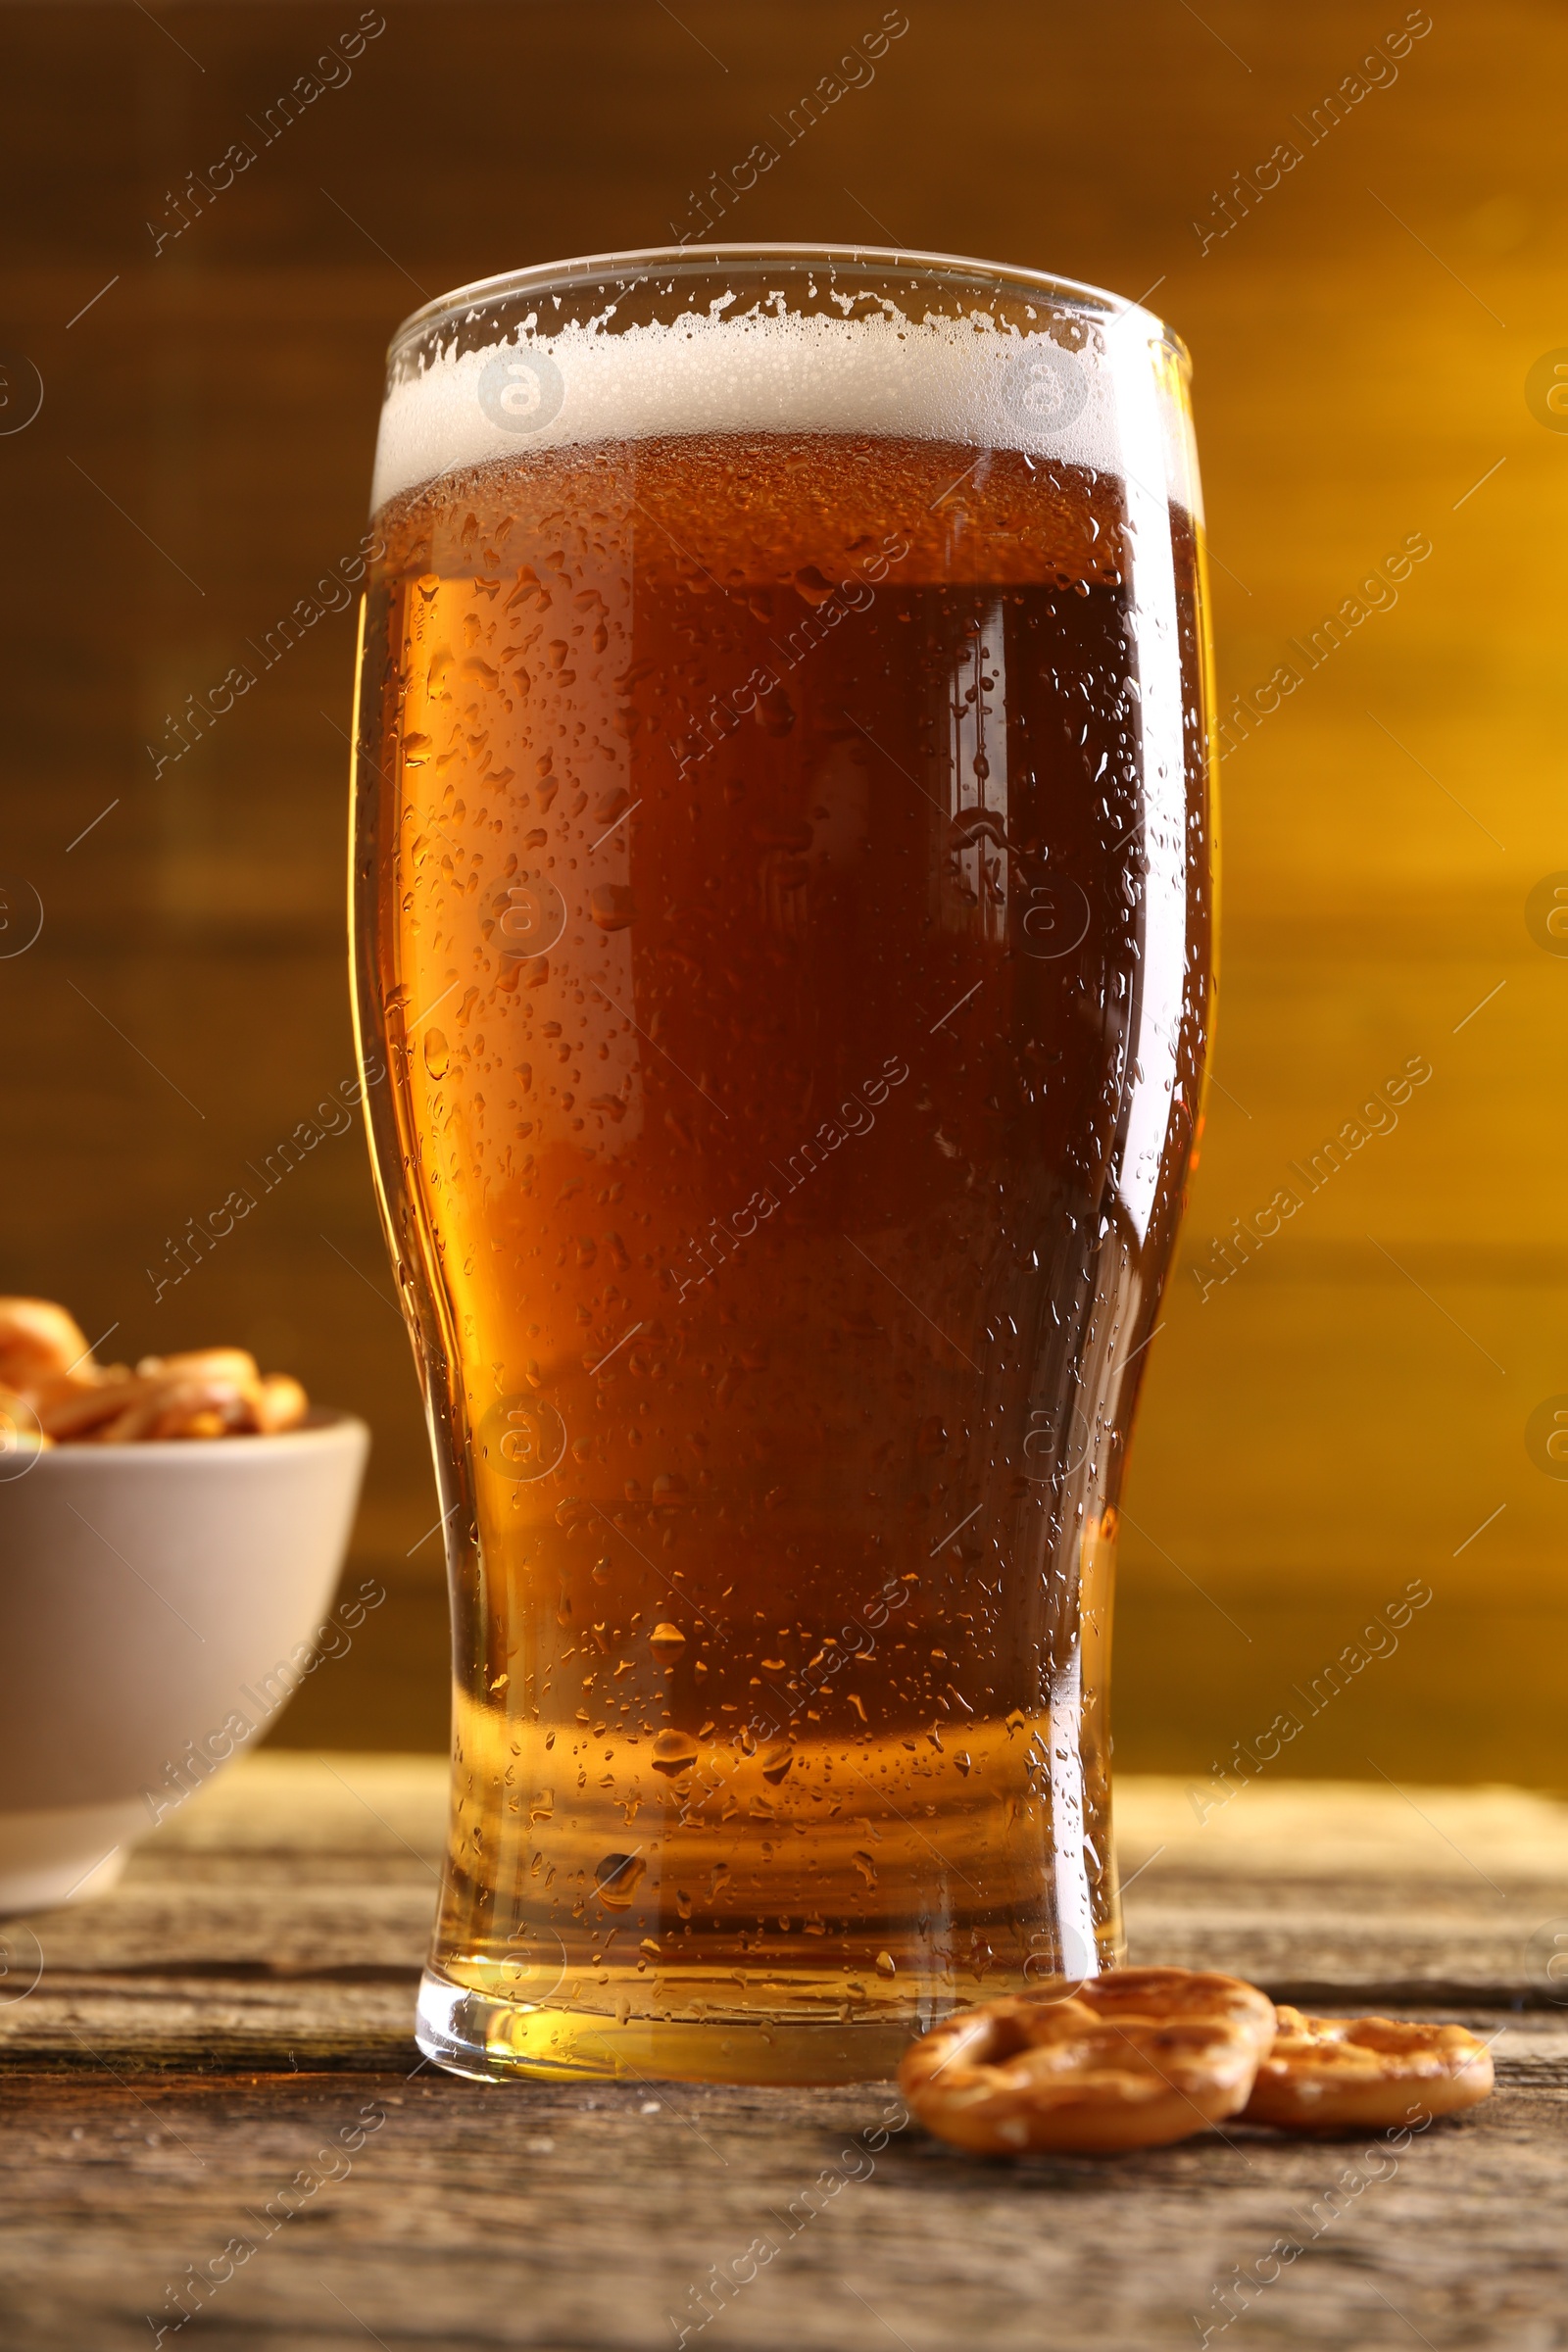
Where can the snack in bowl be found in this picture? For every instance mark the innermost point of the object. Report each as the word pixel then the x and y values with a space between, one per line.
pixel 52 1391
pixel 1366 2074
pixel 1131 2060
pixel 171 1539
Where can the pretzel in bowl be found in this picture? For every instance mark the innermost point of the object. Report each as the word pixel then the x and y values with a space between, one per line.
pixel 54 1393
pixel 1131 2060
pixel 1366 2074
pixel 39 1342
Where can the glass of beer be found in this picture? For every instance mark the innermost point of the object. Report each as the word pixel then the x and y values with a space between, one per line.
pixel 782 899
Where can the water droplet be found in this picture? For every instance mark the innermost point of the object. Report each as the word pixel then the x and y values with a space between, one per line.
pixel 885 1965
pixel 616 1877
pixel 611 906
pixel 673 1752
pixel 774 713
pixel 775 1760
pixel 977 824
pixel 667 1641
pixel 437 1053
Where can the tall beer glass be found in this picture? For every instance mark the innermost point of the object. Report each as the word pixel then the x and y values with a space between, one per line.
pixel 782 903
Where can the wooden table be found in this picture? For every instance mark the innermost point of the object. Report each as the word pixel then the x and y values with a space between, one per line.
pixel 218 2056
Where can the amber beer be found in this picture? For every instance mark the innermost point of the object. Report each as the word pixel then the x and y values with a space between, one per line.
pixel 782 903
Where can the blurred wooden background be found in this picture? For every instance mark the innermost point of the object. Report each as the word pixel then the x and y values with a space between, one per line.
pixel 1347 1412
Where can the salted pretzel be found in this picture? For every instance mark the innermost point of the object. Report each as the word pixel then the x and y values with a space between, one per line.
pixel 62 1397
pixel 39 1342
pixel 1366 2074
pixel 1131 2060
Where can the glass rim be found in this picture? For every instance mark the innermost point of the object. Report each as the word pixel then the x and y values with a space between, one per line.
pixel 648 260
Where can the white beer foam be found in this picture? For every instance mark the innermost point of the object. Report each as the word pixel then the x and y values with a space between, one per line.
pixel 964 380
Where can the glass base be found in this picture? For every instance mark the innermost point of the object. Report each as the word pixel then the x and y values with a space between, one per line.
pixel 492 2040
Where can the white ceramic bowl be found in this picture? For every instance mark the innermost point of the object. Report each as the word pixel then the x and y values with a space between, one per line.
pixel 157 1602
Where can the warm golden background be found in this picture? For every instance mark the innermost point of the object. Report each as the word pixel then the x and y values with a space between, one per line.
pixel 1340 1417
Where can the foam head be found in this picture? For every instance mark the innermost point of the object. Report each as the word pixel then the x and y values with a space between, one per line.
pixel 964 379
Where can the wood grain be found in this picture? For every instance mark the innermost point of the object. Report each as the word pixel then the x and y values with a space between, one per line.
pixel 206 2037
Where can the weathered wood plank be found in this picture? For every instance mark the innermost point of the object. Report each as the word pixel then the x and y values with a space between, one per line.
pixel 198 2046
pixel 539 2217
